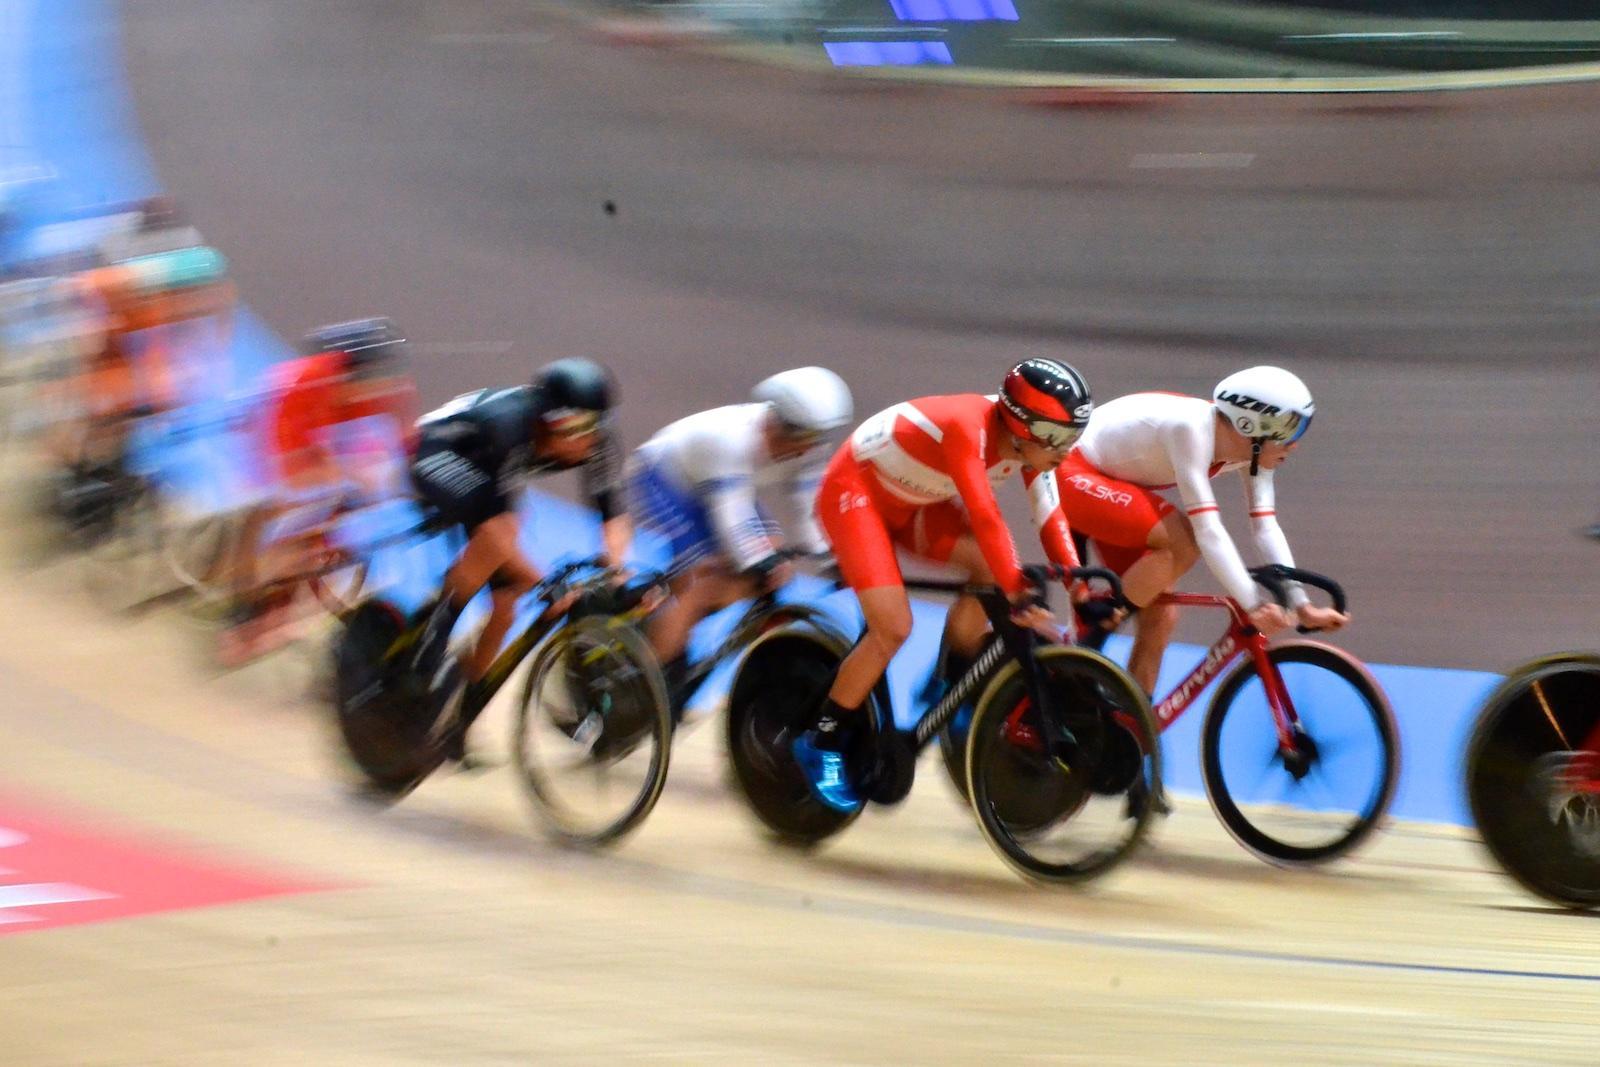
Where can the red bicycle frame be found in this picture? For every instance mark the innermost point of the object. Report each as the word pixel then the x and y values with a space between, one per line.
pixel 1240 639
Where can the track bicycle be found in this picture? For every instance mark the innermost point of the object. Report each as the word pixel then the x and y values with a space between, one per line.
pixel 1300 752
pixel 1064 759
pixel 593 727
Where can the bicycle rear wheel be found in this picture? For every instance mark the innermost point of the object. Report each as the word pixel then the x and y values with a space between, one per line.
pixel 1068 818
pixel 778 686
pixel 593 731
pixel 1530 778
pixel 1325 796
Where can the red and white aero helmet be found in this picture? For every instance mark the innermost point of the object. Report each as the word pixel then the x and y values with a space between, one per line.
pixel 1045 401
pixel 1265 403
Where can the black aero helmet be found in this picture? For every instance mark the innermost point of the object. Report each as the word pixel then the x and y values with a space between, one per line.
pixel 370 346
pixel 575 393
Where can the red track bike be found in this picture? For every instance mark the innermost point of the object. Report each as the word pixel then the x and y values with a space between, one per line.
pixel 1300 751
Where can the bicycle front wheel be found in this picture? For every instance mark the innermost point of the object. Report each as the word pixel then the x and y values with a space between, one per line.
pixel 593 732
pixel 1323 794
pixel 1532 778
pixel 1064 798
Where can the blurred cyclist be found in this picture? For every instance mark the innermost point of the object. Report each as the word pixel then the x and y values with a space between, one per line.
pixel 145 315
pixel 1145 442
pixel 696 483
pixel 472 455
pixel 348 371
pixel 919 477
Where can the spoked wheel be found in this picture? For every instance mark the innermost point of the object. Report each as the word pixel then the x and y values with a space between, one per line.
pixel 1323 794
pixel 1533 778
pixel 594 731
pixel 778 686
pixel 1066 798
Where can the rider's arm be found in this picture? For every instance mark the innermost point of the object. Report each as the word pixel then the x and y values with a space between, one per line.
pixel 1190 452
pixel 1051 520
pixel 963 451
pixel 731 505
pixel 602 482
pixel 802 492
pixel 1269 538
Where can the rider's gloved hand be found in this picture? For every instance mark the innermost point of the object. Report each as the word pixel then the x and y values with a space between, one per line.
pixel 773 572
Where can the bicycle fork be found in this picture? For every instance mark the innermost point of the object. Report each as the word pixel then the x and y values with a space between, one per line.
pixel 1295 746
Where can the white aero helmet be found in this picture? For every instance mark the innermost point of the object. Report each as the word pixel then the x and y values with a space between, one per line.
pixel 1265 403
pixel 808 401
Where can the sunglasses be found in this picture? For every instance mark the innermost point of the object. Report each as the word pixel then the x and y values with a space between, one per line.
pixel 573 425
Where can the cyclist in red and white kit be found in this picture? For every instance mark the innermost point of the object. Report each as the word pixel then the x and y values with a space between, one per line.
pixel 1140 444
pixel 919 478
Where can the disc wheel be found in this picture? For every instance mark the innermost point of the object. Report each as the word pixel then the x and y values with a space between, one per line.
pixel 593 732
pixel 1322 795
pixel 388 727
pixel 1527 768
pixel 776 688
pixel 1066 797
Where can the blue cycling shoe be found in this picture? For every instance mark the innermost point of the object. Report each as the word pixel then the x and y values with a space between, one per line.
pixel 826 772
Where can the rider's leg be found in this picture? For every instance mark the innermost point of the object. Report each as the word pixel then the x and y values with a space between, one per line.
pixel 491 553
pixel 1170 552
pixel 701 590
pixel 966 626
pixel 887 610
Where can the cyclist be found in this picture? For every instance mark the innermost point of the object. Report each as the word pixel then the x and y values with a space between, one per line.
pixel 919 477
pixel 1140 444
pixel 347 371
pixel 145 315
pixel 696 484
pixel 471 454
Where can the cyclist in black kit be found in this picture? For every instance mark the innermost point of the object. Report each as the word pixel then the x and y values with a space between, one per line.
pixel 472 455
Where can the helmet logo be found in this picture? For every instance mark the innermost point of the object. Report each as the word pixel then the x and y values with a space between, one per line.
pixel 1246 425
pixel 1082 411
pixel 1248 403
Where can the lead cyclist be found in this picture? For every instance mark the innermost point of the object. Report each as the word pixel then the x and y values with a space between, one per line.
pixel 1139 444
pixel 696 484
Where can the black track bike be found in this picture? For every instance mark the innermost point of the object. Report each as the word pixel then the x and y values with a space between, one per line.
pixel 1063 760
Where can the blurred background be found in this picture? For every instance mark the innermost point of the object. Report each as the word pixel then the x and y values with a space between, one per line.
pixel 1394 200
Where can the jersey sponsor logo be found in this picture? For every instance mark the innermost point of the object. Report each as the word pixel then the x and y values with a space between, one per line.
pixel 851 501
pixel 1089 487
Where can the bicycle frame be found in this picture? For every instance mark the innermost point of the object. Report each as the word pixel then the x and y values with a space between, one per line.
pixel 744 631
pixel 1006 641
pixel 1240 639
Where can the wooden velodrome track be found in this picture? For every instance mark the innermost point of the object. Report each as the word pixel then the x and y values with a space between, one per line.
pixel 353 156
pixel 448 931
